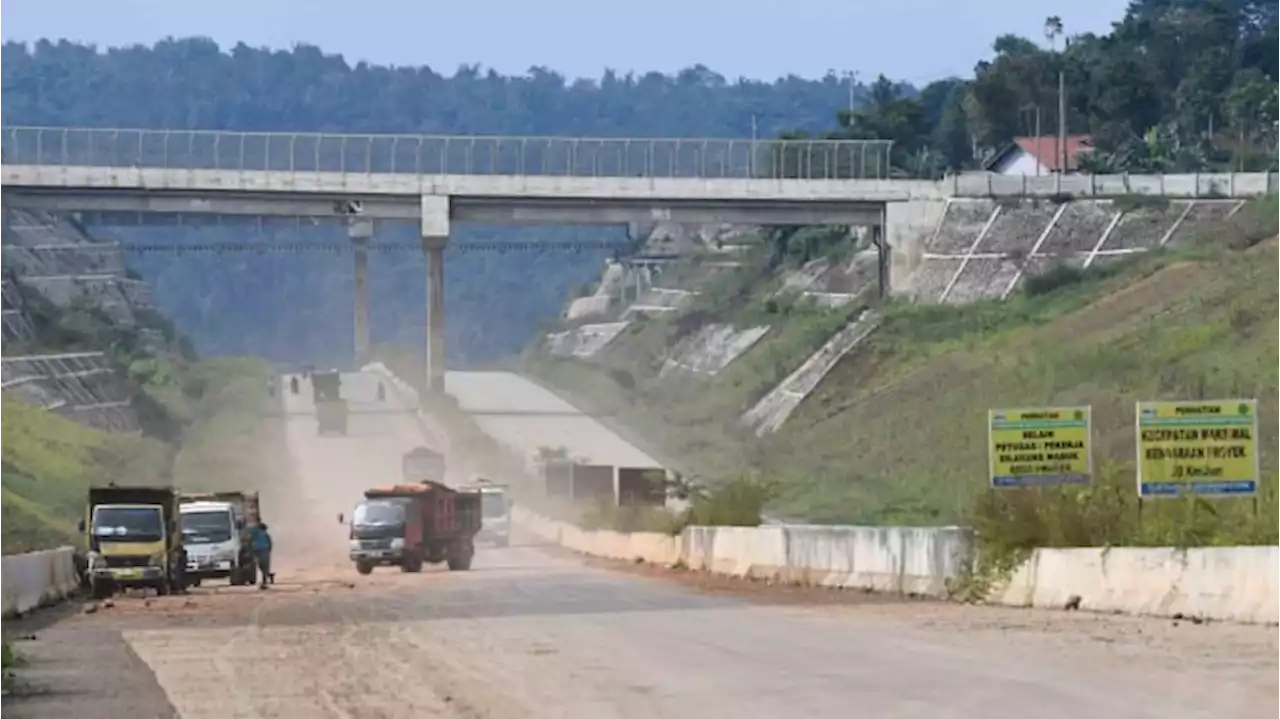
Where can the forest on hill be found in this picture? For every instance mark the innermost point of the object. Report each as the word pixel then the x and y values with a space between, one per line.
pixel 1177 85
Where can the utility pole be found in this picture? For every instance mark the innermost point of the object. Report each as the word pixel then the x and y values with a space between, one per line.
pixel 852 77
pixel 1052 29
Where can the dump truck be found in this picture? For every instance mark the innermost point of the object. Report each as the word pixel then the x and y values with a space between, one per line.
pixel 407 525
pixel 216 534
pixel 134 540
pixel 331 408
pixel 495 511
pixel 422 464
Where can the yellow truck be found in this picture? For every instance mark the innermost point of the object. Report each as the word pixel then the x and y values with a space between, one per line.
pixel 134 540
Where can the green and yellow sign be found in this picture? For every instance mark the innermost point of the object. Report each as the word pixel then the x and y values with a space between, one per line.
pixel 1038 446
pixel 1206 448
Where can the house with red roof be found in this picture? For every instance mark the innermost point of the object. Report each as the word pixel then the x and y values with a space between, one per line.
pixel 1038 155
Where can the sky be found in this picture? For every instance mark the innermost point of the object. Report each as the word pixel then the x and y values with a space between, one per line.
pixel 913 40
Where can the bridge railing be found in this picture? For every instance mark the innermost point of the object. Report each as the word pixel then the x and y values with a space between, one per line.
pixel 441 154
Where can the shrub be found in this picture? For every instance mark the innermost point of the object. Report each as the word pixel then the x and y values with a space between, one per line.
pixel 736 503
pixel 9 660
pixel 1057 276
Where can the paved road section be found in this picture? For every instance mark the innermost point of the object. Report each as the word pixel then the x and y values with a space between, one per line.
pixel 530 633
pixel 526 417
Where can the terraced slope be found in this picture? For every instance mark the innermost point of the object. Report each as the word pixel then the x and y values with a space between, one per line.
pixel 894 432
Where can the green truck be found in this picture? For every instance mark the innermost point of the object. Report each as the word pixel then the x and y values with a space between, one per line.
pixel 134 539
pixel 331 408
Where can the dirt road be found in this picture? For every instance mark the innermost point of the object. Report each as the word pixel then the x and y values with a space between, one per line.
pixel 529 634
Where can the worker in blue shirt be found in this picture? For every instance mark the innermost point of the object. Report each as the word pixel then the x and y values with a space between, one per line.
pixel 261 543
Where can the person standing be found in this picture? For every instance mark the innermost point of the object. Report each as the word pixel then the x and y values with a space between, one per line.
pixel 261 543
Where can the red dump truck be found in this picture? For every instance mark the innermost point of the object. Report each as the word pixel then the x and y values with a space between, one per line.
pixel 409 524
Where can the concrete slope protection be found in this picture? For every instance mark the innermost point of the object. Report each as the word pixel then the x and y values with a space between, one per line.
pixel 529 634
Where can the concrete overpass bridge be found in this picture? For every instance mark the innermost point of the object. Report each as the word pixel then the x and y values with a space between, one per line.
pixel 437 180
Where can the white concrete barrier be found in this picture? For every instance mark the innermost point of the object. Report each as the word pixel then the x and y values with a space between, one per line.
pixel 1226 583
pixel 887 559
pixel 903 560
pixel 35 579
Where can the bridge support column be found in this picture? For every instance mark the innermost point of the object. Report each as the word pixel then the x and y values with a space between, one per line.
pixel 435 237
pixel 360 232
pixel 434 247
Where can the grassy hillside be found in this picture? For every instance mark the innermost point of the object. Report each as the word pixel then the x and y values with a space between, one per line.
pixel 49 461
pixel 896 433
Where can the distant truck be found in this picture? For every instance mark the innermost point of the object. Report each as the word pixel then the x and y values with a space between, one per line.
pixel 215 533
pixel 331 408
pixel 407 525
pixel 495 512
pixel 134 540
pixel 422 464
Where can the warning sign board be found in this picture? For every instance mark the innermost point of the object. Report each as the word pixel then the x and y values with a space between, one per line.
pixel 1205 448
pixel 1037 446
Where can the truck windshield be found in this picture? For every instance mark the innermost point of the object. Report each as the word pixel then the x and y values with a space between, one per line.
pixel 493 504
pixel 206 527
pixel 378 513
pixel 128 524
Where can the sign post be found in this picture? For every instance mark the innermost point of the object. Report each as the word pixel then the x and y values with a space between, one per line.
pixel 1203 448
pixel 1039 446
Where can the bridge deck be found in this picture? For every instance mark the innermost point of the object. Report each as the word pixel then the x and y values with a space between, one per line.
pixel 522 199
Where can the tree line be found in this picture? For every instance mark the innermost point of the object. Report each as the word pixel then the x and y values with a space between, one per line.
pixel 1177 85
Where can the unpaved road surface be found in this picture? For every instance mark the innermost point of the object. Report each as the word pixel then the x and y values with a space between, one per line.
pixel 532 633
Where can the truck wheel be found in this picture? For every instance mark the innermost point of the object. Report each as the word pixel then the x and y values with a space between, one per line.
pixel 99 589
pixel 460 557
pixel 412 563
pixel 364 567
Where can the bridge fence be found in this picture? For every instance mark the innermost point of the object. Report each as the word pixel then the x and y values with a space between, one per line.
pixel 442 154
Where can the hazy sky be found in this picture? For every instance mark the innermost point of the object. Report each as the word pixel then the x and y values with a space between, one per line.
pixel 916 40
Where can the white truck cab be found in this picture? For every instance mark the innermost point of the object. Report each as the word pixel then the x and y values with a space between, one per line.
pixel 213 536
pixel 495 512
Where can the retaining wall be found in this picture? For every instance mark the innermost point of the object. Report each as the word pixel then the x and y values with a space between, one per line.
pixel 35 579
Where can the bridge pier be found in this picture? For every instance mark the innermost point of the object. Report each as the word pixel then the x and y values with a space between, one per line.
pixel 434 247
pixel 435 238
pixel 360 232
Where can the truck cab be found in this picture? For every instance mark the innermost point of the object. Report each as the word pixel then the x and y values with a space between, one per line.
pixel 215 533
pixel 133 540
pixel 422 464
pixel 411 524
pixel 495 512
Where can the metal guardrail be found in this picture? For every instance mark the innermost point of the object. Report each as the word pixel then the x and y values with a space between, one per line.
pixel 114 249
pixel 804 159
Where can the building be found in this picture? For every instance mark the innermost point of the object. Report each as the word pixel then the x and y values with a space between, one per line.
pixel 1038 155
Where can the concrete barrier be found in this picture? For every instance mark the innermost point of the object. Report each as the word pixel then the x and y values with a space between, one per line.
pixel 36 579
pixel 887 559
pixel 1226 583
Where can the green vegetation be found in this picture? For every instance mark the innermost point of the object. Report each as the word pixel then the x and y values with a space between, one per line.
pixel 1186 86
pixel 9 660
pixel 895 434
pixel 49 461
pixel 223 447
pixel 1174 87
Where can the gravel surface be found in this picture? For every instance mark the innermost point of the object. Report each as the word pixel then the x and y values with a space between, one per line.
pixel 534 632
